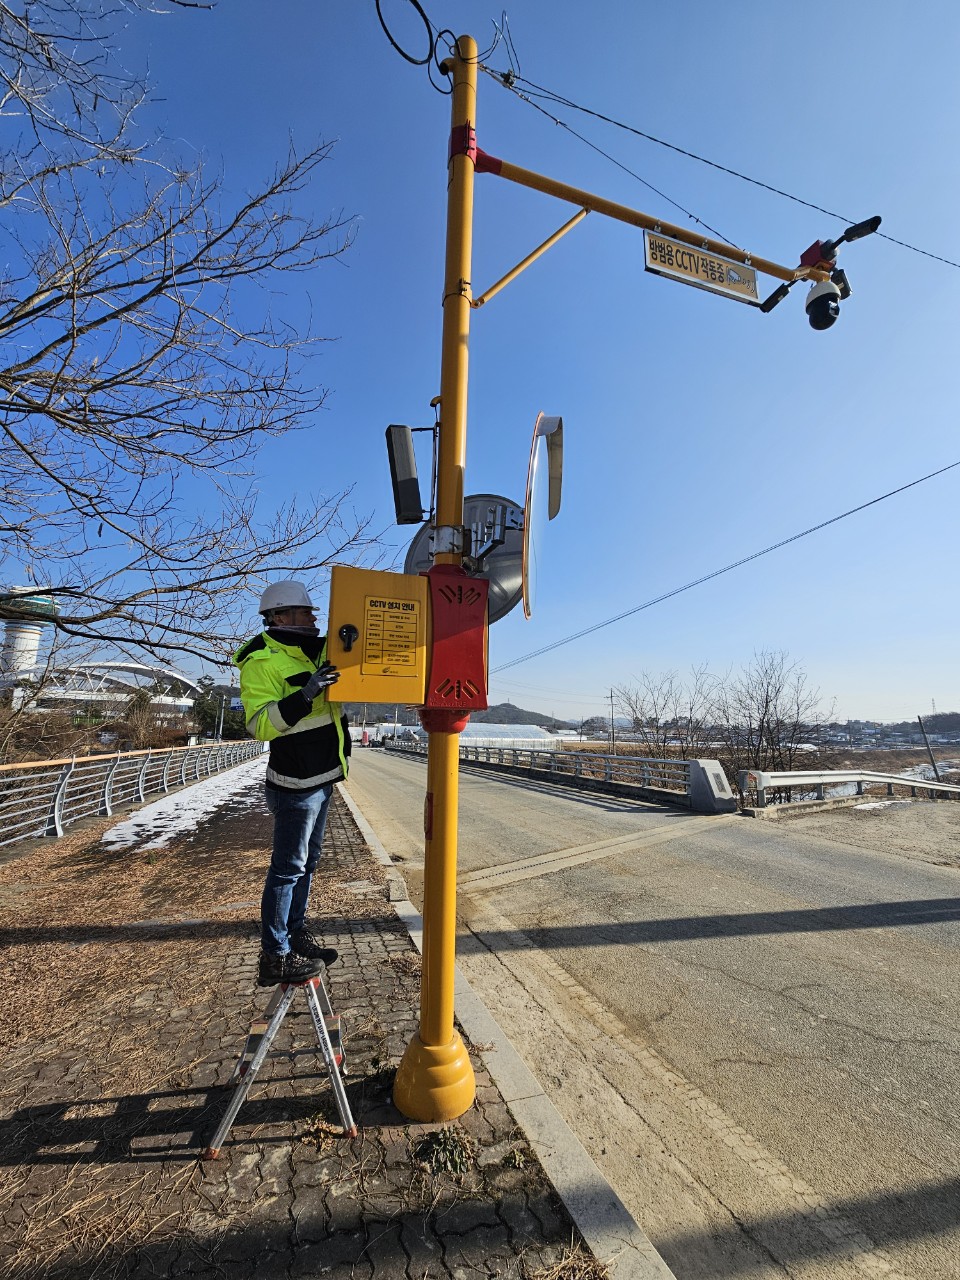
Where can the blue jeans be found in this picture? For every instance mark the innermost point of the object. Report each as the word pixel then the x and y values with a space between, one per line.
pixel 299 819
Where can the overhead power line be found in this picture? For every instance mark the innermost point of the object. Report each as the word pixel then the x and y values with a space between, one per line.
pixel 707 577
pixel 510 81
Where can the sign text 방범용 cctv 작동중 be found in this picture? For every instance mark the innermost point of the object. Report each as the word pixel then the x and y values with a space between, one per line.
pixel 697 267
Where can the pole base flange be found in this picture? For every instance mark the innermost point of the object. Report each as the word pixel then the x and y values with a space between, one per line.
pixel 434 1082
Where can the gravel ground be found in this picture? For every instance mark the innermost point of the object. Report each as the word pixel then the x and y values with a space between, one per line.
pixel 925 830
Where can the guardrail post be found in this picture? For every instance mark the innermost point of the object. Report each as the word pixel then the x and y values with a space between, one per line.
pixel 166 770
pixel 860 787
pixel 818 790
pixel 106 807
pixel 55 816
pixel 142 778
pixel 889 788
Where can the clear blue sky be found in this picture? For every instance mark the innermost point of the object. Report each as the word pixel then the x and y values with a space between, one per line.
pixel 697 430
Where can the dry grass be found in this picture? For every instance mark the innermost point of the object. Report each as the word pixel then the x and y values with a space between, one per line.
pixel 320 1132
pixel 407 962
pixel 575 1263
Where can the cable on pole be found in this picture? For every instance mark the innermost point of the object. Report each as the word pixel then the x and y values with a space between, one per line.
pixel 417 62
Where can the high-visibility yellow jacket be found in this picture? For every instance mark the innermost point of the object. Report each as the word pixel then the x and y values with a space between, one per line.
pixel 309 742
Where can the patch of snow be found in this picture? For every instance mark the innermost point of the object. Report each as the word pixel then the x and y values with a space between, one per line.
pixel 881 804
pixel 156 824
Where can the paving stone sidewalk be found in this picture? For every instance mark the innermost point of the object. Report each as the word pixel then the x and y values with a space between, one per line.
pixel 136 992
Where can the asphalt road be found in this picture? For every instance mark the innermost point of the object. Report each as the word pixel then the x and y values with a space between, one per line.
pixel 754 1030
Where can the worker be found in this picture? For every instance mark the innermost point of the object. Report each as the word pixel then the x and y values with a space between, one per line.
pixel 284 683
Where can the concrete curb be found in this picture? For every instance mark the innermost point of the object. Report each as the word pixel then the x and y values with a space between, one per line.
pixel 610 1230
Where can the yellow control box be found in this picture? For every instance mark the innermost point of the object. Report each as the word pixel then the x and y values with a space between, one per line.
pixel 377 635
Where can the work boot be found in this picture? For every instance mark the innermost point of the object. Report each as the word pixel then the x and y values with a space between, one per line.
pixel 306 943
pixel 290 968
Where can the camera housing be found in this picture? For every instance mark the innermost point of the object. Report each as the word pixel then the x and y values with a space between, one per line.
pixel 823 304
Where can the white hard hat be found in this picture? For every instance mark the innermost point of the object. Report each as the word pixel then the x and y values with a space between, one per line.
pixel 288 594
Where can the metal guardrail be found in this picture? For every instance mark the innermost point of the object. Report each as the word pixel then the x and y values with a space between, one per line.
pixel 43 798
pixel 817 781
pixel 665 775
pixel 700 785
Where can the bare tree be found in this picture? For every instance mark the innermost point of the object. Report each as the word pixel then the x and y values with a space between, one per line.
pixel 144 364
pixel 768 714
pixel 670 716
pixel 57 75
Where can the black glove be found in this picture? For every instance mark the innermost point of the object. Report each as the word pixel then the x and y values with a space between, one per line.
pixel 321 679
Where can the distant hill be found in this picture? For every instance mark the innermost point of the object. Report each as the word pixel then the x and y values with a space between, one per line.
pixel 507 713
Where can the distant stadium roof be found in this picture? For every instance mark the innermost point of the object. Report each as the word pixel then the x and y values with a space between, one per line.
pixel 108 681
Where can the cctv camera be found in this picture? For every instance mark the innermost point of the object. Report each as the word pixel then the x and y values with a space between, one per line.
pixel 823 304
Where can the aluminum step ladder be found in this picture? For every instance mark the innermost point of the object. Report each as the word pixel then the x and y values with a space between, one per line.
pixel 263 1032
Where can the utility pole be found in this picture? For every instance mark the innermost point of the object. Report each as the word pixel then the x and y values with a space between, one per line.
pixel 435 1079
pixel 613 727
pixel 223 703
pixel 936 771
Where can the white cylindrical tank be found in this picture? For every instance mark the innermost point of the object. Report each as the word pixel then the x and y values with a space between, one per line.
pixel 26 613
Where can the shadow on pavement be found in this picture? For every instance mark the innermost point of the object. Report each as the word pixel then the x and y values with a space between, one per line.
pixel 869 915
pixel 119 1129
pixel 196 930
pixel 452 1237
pixel 886 1219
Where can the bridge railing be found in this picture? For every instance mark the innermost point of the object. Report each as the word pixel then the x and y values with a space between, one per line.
pixel 671 775
pixel 787 786
pixel 43 798
pixel 698 784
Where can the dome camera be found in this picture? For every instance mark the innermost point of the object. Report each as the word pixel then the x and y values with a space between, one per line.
pixel 823 304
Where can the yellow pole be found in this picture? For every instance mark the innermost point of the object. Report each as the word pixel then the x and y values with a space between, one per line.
pixel 435 1079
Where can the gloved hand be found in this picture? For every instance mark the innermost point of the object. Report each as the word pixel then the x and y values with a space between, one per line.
pixel 322 678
